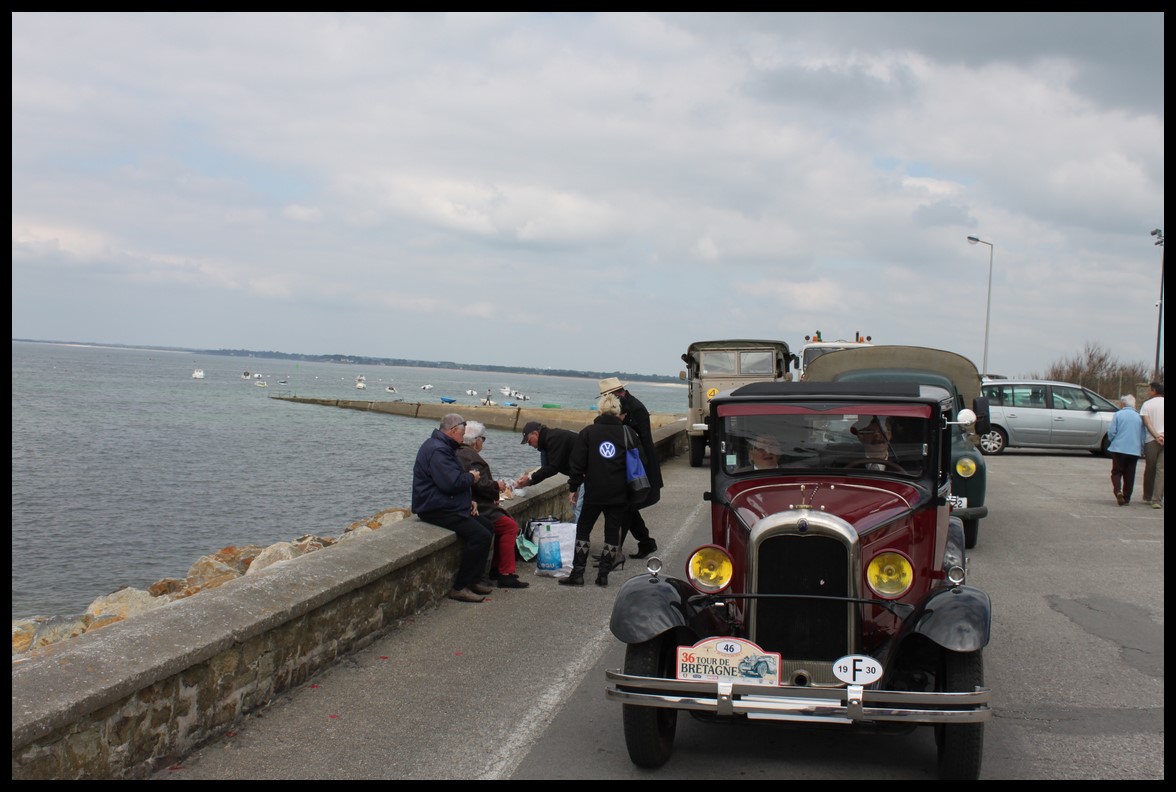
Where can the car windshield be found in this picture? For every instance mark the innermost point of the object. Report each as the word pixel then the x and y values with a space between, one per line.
pixel 875 438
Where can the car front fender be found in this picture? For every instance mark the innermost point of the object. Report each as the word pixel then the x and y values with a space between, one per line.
pixel 959 619
pixel 647 606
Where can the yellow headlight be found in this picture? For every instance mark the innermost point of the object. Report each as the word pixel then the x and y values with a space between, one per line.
pixel 965 466
pixel 890 575
pixel 710 569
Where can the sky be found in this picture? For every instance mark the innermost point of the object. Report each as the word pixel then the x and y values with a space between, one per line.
pixel 589 191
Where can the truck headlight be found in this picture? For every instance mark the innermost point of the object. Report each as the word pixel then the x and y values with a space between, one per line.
pixel 966 467
pixel 710 569
pixel 890 574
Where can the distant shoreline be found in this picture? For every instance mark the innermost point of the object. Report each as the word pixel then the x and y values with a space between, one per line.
pixel 652 379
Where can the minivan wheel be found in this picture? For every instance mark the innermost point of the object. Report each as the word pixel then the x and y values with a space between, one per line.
pixel 994 441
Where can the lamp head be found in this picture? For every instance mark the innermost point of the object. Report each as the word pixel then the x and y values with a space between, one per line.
pixel 973 240
pixel 1156 232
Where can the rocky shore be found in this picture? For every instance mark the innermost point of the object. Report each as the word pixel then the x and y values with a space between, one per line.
pixel 208 572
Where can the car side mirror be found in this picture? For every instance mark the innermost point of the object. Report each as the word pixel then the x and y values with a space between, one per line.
pixel 983 422
pixel 965 417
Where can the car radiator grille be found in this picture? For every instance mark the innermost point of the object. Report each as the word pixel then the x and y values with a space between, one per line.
pixel 809 634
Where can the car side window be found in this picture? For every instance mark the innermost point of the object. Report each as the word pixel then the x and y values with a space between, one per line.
pixel 1032 396
pixel 1070 399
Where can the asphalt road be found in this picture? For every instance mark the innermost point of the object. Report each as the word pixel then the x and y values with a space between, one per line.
pixel 514 687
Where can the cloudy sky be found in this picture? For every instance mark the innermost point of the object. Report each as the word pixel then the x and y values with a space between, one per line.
pixel 588 191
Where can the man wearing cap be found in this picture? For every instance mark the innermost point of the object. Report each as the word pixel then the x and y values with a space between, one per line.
pixel 555 454
pixel 442 496
pixel 637 417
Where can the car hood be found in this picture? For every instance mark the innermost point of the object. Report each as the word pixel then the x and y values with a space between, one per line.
pixel 863 504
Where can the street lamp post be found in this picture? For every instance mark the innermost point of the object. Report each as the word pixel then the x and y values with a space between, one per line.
pixel 1159 235
pixel 988 307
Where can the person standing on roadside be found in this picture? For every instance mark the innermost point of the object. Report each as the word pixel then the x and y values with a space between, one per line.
pixel 598 462
pixel 442 496
pixel 1126 447
pixel 487 492
pixel 555 456
pixel 1152 414
pixel 637 418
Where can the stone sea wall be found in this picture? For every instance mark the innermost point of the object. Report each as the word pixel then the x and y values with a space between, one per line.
pixel 157 681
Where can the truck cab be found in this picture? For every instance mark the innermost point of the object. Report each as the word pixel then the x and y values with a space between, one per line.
pixel 815 346
pixel 715 366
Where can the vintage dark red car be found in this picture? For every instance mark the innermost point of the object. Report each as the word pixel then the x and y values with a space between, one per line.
pixel 833 588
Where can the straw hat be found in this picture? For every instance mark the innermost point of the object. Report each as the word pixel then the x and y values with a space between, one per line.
pixel 610 384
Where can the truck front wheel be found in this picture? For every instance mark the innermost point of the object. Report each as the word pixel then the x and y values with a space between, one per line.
pixel 697 449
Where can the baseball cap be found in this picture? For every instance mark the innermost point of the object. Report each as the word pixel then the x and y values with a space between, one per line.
pixel 531 426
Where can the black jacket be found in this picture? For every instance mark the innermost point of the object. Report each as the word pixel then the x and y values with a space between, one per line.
pixel 637 417
pixel 598 461
pixel 555 453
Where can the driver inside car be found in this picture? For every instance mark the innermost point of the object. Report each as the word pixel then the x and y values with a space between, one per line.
pixel 874 433
pixel 764 452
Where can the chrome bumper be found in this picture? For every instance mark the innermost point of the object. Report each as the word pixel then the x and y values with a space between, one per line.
pixel 849 704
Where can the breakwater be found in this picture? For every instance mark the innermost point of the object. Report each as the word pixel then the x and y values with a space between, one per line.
pixel 125 700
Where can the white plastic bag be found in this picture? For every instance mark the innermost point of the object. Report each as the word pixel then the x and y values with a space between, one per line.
pixel 565 533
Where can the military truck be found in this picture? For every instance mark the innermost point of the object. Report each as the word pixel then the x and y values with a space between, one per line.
pixel 715 366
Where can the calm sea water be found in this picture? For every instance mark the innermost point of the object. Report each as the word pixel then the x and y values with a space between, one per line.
pixel 126 470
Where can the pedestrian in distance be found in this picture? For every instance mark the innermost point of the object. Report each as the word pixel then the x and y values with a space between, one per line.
pixel 442 496
pixel 1152 414
pixel 1125 436
pixel 598 462
pixel 636 416
pixel 487 492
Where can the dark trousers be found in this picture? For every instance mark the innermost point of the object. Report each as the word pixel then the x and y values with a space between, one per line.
pixel 477 534
pixel 634 524
pixel 1123 473
pixel 614 515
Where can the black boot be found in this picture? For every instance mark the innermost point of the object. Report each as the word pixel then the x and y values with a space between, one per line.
pixel 610 559
pixel 579 562
pixel 644 548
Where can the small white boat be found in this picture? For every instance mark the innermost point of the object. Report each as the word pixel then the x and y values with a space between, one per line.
pixel 256 376
pixel 471 392
pixel 361 382
pixel 505 391
pixel 426 387
pixel 390 389
pixel 246 375
pixel 261 384
pixel 197 373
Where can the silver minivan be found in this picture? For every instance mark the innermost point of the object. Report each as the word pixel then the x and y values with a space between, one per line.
pixel 1045 414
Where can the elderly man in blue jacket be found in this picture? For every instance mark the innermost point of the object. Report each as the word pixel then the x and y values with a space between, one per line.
pixel 442 496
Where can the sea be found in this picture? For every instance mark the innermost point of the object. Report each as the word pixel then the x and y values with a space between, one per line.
pixel 126 469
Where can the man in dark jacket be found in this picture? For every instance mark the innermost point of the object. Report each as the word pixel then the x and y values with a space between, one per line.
pixel 555 454
pixel 442 496
pixel 637 417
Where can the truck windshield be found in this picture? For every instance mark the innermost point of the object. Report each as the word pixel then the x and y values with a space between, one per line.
pixel 868 438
